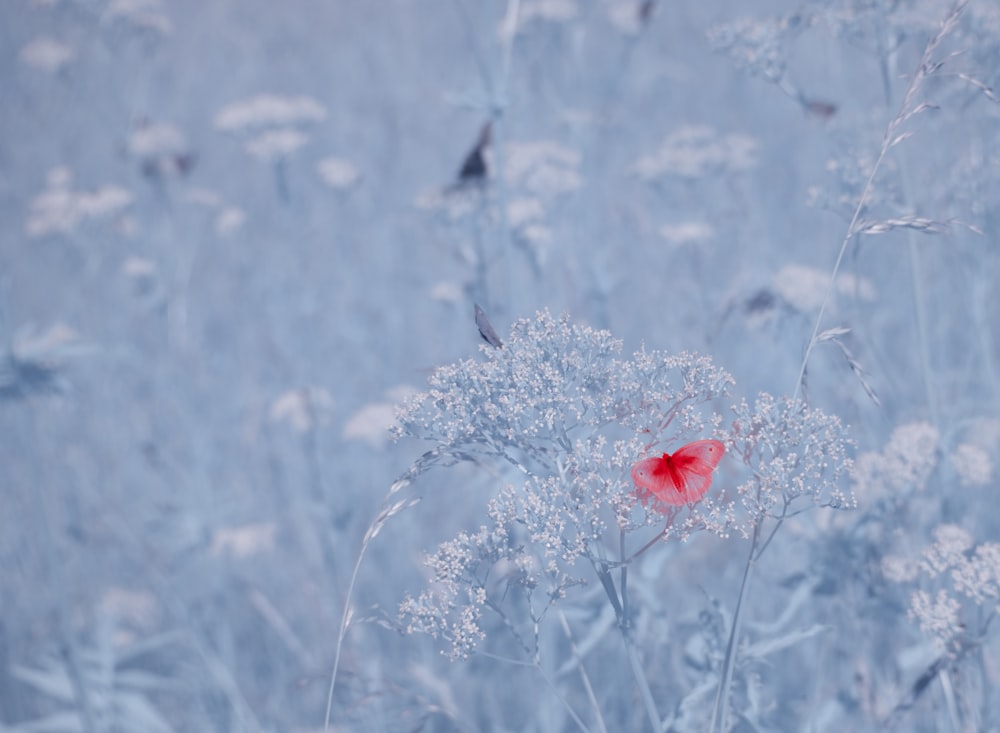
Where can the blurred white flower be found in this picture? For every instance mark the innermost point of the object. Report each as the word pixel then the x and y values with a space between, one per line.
pixel 801 286
pixel 552 11
pixel 59 177
pixel 524 210
pixel 972 464
pixel 978 577
pixel 161 149
pixel 526 216
pixel 338 173
pixel 138 267
pixel 275 144
pixel 303 409
pixel 687 233
pixel 244 541
pixel 936 615
pixel 951 542
pixel 539 237
pixel 48 347
pixel 59 209
pixel 542 167
pixel 961 571
pixel 446 292
pixel 905 463
pixel 52 212
pixel 900 569
pixel 696 151
pixel 373 422
pixel 455 203
pixel 150 139
pixel 269 110
pixel 625 15
pixel 45 54
pixel 229 220
pixel 855 286
pixel 143 14
pixel 103 202
pixel 756 45
pixel 804 287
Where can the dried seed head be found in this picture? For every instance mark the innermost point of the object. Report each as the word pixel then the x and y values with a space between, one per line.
pixel 486 329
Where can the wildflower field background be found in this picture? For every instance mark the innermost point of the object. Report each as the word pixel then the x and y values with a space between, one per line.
pixel 261 472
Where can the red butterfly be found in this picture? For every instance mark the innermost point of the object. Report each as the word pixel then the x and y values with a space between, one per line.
pixel 679 478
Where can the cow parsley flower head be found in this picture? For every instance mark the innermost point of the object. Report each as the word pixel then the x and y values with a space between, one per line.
pixel 905 464
pixel 972 464
pixel 794 453
pixel 937 615
pixel 957 577
pixel 569 418
pixel 557 386
pixel 560 407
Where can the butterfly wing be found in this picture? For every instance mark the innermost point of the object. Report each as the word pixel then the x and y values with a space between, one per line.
pixel 681 478
pixel 694 464
pixel 651 477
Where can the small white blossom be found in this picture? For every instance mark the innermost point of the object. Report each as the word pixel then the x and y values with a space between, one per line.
pixel 60 210
pixel 950 544
pixel 972 464
pixel 937 615
pixel 697 151
pixel 338 173
pixel 46 54
pixel 542 167
pixel 906 463
pixel 960 571
pixel 269 110
pixel 978 577
pixel 900 569
pixel 794 452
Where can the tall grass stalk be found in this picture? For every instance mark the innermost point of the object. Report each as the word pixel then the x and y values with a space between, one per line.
pixel 389 509
pixel 891 137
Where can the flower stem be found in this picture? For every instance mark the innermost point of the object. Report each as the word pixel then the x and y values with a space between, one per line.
pixel 344 620
pixel 721 711
pixel 640 678
pixel 619 603
pixel 584 677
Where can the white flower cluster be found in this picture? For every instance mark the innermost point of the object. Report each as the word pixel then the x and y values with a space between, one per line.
pixel 558 403
pixel 759 46
pixel 964 572
pixel 60 209
pixel 904 466
pixel 793 451
pixel 271 122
